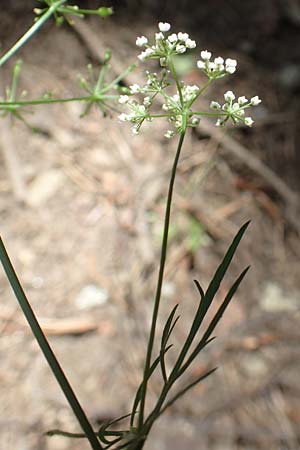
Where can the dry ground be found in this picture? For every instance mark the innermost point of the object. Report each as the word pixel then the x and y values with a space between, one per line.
pixel 90 222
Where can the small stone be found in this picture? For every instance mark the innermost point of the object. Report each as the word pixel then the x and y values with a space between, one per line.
pixel 91 296
pixel 44 187
pixel 275 299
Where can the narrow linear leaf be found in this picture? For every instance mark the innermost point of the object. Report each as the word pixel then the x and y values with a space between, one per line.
pixel 209 295
pixel 113 443
pixel 223 267
pixel 167 331
pixel 47 350
pixel 205 339
pixel 139 391
pixel 65 434
pixel 187 388
pixel 201 292
pixel 163 351
pixel 103 432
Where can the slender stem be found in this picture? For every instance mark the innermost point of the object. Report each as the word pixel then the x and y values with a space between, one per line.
pixel 159 282
pixel 89 98
pixel 47 350
pixel 29 33
pixel 14 84
pixel 174 74
pixel 120 77
pixel 199 113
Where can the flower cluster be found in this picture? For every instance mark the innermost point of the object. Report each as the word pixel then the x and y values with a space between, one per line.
pixel 234 110
pixel 177 107
pixel 164 46
pixel 217 68
pixel 138 112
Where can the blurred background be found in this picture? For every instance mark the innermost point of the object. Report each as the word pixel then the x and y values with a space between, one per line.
pixel 82 205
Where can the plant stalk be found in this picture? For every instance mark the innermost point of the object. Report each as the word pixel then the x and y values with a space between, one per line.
pixel 32 30
pixel 160 281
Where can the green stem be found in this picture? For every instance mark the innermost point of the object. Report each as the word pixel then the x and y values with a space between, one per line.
pixel 204 87
pixel 119 78
pixel 90 98
pixel 217 114
pixel 47 350
pixel 174 75
pixel 159 282
pixel 32 30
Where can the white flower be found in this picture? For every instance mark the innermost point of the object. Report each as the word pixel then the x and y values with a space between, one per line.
pixel 183 36
pixel 201 64
pixel 173 38
pixel 205 55
pixel 242 100
pixel 248 121
pixel 219 60
pixel 215 105
pixel 164 26
pixel 180 48
pixel 135 130
pixel 124 117
pixel 140 41
pixel 134 89
pixel 123 99
pixel 159 36
pixel 231 62
pixel 147 101
pixel 229 96
pixel 145 54
pixel 255 100
pixel 219 123
pixel 190 43
pixel 163 62
pixel 195 121
pixel 230 65
pixel 169 134
pixel 212 65
pixel 230 69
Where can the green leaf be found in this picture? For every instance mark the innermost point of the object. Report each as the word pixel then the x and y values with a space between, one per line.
pixel 47 350
pixel 103 432
pixel 208 297
pixel 205 339
pixel 187 388
pixel 65 434
pixel 201 292
pixel 168 328
pixel 139 391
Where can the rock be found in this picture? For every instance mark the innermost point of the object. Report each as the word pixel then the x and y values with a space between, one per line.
pixel 275 299
pixel 91 296
pixel 44 187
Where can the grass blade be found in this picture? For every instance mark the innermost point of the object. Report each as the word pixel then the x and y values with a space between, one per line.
pixel 65 434
pixel 205 339
pixel 139 391
pixel 208 297
pixel 47 350
pixel 187 388
pixel 168 328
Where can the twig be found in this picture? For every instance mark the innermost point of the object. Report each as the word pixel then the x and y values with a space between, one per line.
pixel 12 161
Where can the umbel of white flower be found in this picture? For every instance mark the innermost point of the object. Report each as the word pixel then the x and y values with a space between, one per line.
pixel 234 110
pixel 177 107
